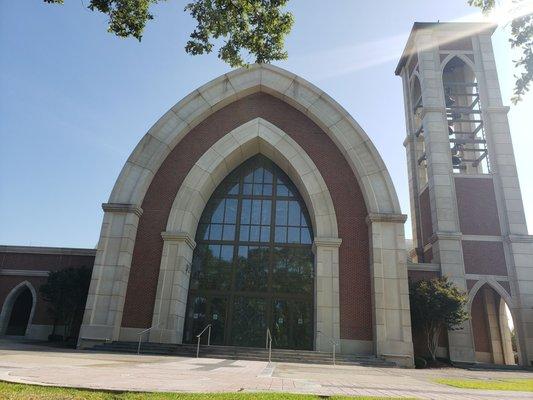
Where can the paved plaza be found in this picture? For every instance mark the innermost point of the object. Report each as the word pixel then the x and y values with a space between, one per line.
pixel 31 363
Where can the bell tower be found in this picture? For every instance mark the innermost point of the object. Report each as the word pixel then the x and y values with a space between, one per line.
pixel 468 219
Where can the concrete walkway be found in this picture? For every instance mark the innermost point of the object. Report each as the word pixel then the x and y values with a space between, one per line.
pixel 30 363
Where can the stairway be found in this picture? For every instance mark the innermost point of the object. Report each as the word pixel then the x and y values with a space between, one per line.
pixel 243 353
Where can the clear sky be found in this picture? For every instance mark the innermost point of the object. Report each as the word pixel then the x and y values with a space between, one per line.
pixel 75 100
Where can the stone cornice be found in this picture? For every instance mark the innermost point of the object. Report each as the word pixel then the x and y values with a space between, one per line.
pixel 499 109
pixel 519 238
pixel 179 237
pixel 23 272
pixel 122 208
pixel 327 242
pixel 422 266
pixel 48 250
pixel 385 217
pixel 425 110
pixel 445 236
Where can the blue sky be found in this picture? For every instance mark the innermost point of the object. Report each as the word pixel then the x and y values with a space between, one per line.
pixel 75 100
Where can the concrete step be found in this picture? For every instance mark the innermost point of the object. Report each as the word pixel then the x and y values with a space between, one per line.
pixel 243 353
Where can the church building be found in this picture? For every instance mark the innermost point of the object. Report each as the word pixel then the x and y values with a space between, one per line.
pixel 257 202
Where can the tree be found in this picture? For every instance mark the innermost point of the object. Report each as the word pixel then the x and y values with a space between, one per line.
pixel 436 304
pixel 66 292
pixel 521 38
pixel 247 27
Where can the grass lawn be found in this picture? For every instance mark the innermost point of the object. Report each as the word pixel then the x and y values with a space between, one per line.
pixel 15 391
pixel 520 385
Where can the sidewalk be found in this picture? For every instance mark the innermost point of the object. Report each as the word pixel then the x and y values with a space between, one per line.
pixel 29 363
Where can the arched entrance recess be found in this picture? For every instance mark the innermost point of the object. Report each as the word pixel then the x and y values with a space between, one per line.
pixel 18 309
pixel 491 312
pixel 389 283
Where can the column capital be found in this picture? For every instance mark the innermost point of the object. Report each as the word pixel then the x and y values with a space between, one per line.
pixel 179 237
pixel 385 217
pixel 441 235
pixel 122 208
pixel 327 242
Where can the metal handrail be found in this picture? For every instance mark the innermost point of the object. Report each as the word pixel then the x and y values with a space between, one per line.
pixel 141 333
pixel 332 341
pixel 199 336
pixel 268 345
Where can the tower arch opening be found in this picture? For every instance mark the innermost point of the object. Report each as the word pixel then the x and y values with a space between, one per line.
pixel 17 311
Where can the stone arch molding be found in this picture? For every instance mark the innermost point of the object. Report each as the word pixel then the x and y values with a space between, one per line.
pixel 493 283
pixel 5 314
pixel 247 140
pixel 251 138
pixel 107 292
pixel 363 158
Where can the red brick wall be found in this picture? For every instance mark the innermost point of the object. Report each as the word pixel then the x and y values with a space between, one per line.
pixel 355 300
pixel 41 262
pixel 484 258
pixel 480 326
pixel 476 202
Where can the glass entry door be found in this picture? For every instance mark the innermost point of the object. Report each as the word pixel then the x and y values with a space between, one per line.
pixel 253 265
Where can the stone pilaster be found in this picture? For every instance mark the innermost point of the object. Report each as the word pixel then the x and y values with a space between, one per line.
pixel 172 288
pixel 327 312
pixel 390 291
pixel 107 291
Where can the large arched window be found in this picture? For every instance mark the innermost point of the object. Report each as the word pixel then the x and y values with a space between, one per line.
pixel 253 264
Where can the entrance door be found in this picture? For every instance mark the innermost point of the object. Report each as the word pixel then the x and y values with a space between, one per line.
pixel 252 267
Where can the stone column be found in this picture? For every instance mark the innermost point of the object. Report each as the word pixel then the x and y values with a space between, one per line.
pixel 491 311
pixel 172 288
pixel 390 290
pixel 327 314
pixel 107 292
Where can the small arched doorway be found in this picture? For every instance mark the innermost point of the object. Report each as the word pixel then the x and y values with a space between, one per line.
pixel 493 328
pixel 17 310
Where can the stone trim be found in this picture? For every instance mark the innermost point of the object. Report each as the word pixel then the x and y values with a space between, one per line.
pixel 519 238
pixel 179 237
pixel 23 272
pixel 48 250
pixel 122 208
pixel 484 276
pixel 482 238
pixel 423 267
pixel 497 110
pixel 425 110
pixel 445 236
pixel 326 242
pixel 348 136
pixel 375 217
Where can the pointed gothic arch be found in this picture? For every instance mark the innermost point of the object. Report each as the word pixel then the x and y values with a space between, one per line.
pixel 5 314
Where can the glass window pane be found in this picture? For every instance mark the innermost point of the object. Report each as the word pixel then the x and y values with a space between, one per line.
pixel 231 211
pixel 258 175
pixel 249 177
pixel 245 233
pixel 247 188
pixel 267 190
pixel 254 233
pixel 226 253
pixel 258 189
pixel 215 232
pixel 306 236
pixel 281 212
pixel 281 235
pixel 281 189
pixel 234 189
pixel 294 213
pixel 267 176
pixel 256 211
pixel 265 212
pixel 245 212
pixel 265 234
pixel 229 232
pixel 293 235
pixel 218 214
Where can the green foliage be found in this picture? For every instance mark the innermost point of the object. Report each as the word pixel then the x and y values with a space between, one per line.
pixel 245 28
pixel 436 304
pixel 16 391
pixel 420 363
pixel 521 38
pixel 519 385
pixel 66 292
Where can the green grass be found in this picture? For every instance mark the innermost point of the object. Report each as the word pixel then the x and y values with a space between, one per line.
pixel 519 385
pixel 15 391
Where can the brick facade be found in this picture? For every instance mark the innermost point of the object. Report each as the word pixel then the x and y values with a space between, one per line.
pixel 355 300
